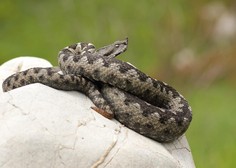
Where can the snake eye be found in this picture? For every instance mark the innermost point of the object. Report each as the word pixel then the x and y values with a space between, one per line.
pixel 117 45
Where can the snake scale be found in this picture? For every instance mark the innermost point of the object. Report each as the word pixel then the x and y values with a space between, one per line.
pixel 118 89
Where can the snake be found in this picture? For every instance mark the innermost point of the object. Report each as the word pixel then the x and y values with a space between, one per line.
pixel 118 89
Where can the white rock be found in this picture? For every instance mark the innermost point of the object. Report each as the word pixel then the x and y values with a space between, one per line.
pixel 44 127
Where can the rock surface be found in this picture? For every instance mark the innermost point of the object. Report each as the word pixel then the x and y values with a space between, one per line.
pixel 44 127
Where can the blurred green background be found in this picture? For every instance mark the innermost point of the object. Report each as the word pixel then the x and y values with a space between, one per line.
pixel 189 44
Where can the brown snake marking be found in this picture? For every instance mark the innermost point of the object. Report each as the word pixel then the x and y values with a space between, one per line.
pixel 145 105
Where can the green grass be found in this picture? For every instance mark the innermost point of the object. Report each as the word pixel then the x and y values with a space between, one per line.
pixel 157 30
pixel 213 129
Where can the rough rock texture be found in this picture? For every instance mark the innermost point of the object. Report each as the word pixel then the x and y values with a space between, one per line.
pixel 44 127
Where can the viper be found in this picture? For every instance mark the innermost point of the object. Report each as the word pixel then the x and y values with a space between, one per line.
pixel 118 89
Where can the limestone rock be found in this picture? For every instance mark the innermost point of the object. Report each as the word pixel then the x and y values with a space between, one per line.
pixel 44 127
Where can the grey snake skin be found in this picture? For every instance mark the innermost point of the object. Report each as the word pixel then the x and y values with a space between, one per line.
pixel 143 104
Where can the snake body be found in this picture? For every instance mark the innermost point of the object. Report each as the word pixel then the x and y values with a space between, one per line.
pixel 143 104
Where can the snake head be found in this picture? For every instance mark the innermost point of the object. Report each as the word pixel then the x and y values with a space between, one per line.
pixel 113 49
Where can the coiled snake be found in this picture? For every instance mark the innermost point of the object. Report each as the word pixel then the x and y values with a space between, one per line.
pixel 143 104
